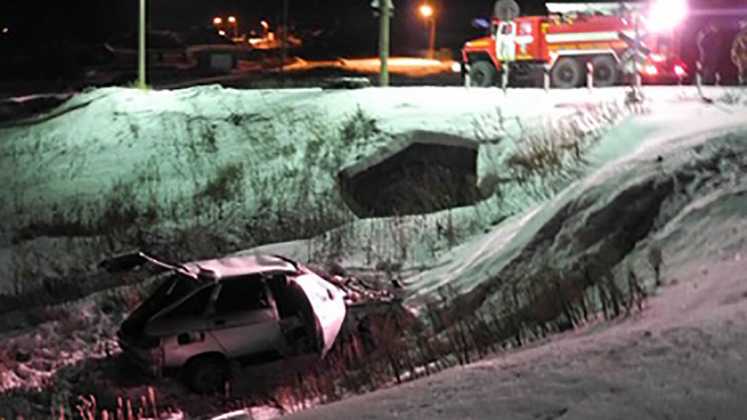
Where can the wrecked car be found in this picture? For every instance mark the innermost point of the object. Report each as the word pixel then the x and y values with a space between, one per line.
pixel 204 316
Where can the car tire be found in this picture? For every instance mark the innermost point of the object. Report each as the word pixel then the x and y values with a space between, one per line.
pixel 206 374
pixel 606 72
pixel 566 73
pixel 482 74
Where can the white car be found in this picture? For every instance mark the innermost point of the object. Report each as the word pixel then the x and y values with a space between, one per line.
pixel 250 309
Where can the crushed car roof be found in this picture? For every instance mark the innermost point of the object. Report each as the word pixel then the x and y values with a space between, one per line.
pixel 239 266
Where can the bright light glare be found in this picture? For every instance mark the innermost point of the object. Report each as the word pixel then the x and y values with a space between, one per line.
pixel 264 24
pixel 658 58
pixel 231 19
pixel 217 21
pixel 5 30
pixel 679 71
pixel 222 32
pixel 664 15
pixel 426 10
pixel 651 70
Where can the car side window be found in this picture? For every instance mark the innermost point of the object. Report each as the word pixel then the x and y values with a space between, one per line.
pixel 242 294
pixel 193 306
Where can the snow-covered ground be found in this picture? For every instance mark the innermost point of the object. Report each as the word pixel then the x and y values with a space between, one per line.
pixel 191 171
pixel 209 160
pixel 683 357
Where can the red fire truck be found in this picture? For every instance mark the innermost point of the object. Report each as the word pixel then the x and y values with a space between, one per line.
pixel 572 41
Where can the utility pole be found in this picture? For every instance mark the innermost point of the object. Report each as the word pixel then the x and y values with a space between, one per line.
pixel 141 83
pixel 284 39
pixel 384 16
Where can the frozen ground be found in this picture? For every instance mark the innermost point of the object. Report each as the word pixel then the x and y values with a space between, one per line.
pixel 683 357
pixel 666 178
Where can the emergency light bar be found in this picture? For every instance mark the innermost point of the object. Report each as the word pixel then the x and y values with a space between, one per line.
pixel 610 8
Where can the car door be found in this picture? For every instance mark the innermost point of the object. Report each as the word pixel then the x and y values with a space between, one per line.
pixel 505 41
pixel 244 321
pixel 185 329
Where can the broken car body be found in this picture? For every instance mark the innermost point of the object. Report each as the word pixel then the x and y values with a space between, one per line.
pixel 252 309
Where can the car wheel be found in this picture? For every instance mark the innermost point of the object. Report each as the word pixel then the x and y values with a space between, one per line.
pixel 482 74
pixel 566 73
pixel 206 374
pixel 605 71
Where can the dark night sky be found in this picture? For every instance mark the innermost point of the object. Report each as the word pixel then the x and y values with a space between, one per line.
pixel 96 20
pixel 355 26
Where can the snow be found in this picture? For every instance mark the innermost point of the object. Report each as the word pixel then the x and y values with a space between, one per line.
pixel 667 176
pixel 682 358
pixel 168 144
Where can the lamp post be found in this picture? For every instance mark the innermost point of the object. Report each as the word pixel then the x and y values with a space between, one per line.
pixel 427 12
pixel 141 48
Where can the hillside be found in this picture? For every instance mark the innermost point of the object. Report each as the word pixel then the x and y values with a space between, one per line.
pixel 586 193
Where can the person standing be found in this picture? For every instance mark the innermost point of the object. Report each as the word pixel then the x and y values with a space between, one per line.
pixel 709 51
pixel 739 52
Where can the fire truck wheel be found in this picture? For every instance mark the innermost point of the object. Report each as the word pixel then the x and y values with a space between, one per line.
pixel 566 73
pixel 482 74
pixel 605 71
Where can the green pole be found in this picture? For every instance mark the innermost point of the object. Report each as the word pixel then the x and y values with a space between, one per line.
pixel 141 48
pixel 384 13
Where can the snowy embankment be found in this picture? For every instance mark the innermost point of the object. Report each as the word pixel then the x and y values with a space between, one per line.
pixel 203 171
pixel 671 182
pixel 668 188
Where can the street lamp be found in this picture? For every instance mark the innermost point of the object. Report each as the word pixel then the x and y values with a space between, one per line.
pixel 426 10
pixel 234 24
pixel 429 14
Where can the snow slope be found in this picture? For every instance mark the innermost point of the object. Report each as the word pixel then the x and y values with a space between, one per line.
pixel 217 165
pixel 681 358
pixel 678 186
pixel 122 168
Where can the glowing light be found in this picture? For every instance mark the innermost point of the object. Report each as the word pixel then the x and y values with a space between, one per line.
pixel 222 32
pixel 265 24
pixel 6 30
pixel 426 10
pixel 664 15
pixel 651 70
pixel 679 71
pixel 232 20
pixel 658 58
pixel 217 21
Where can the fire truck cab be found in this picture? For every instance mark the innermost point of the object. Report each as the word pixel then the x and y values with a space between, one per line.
pixel 572 41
